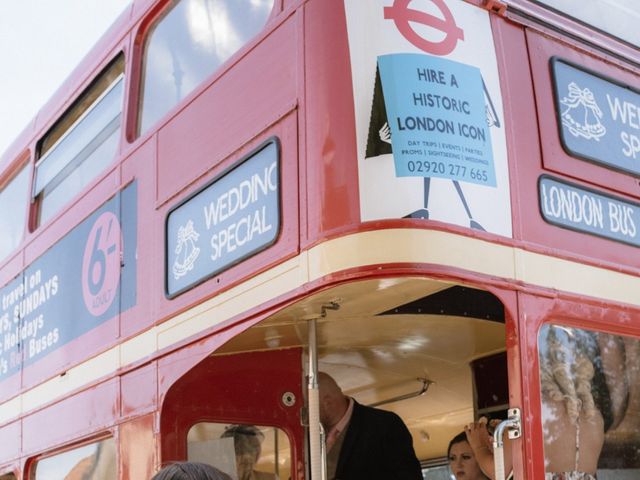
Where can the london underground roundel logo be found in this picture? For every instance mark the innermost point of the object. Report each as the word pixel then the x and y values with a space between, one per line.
pixel 101 264
pixel 403 17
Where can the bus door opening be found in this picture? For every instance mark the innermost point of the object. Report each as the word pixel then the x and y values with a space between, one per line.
pixel 239 412
pixel 433 352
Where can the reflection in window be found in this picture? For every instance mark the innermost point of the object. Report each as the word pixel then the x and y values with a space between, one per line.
pixel 590 391
pixel 441 472
pixel 242 451
pixel 616 17
pixel 13 212
pixel 189 43
pixel 96 461
pixel 81 145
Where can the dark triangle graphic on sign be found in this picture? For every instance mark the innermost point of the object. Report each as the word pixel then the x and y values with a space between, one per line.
pixel 378 120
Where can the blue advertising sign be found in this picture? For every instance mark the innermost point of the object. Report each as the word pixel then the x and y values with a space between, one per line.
pixel 233 218
pixel 588 211
pixel 599 119
pixel 85 279
pixel 437 118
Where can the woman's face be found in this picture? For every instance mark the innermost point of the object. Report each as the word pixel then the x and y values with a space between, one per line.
pixel 463 464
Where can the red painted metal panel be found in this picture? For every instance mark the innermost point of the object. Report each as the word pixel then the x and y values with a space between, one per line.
pixel 244 388
pixel 11 440
pixel 253 94
pixel 139 391
pixel 61 359
pixel 331 160
pixel 9 387
pixel 529 165
pixel 89 412
pixel 174 365
pixel 141 166
pixel 532 311
pixel 137 448
pixel 287 243
pixel 520 125
pixel 541 49
pixel 97 193
pixel 12 267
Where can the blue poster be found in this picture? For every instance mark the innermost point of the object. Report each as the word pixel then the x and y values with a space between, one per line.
pixel 83 280
pixel 233 218
pixel 599 120
pixel 436 118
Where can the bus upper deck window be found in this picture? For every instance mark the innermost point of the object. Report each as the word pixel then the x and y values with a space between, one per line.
pixel 81 144
pixel 12 218
pixel 615 17
pixel 188 44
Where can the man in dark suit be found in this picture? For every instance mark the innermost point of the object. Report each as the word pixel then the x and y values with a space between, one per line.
pixel 364 442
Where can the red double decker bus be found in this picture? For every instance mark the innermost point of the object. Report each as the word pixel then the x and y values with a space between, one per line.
pixel 434 201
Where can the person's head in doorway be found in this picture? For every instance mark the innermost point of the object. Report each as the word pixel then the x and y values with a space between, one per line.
pixel 462 459
pixel 333 403
pixel 247 442
pixel 361 441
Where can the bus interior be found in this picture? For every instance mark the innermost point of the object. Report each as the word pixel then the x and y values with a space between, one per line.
pixel 431 351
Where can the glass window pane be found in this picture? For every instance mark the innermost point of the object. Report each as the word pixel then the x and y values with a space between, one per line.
pixel 590 391
pixel 96 461
pixel 616 17
pixel 75 143
pixel 79 177
pixel 13 212
pixel 189 43
pixel 85 148
pixel 241 451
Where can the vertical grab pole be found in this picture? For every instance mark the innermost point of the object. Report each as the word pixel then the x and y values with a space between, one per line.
pixel 515 430
pixel 317 454
pixel 498 460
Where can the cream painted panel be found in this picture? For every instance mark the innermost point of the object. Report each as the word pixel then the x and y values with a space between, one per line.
pixel 410 246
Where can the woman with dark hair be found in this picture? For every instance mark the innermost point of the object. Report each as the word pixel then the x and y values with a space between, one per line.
pixel 462 459
pixel 471 452
pixel 190 471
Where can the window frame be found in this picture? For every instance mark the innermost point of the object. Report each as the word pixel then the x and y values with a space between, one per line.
pixel 558 25
pixel 145 28
pixel 547 4
pixel 563 321
pixel 32 463
pixel 22 164
pixel 71 164
pixel 36 194
pixel 260 426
